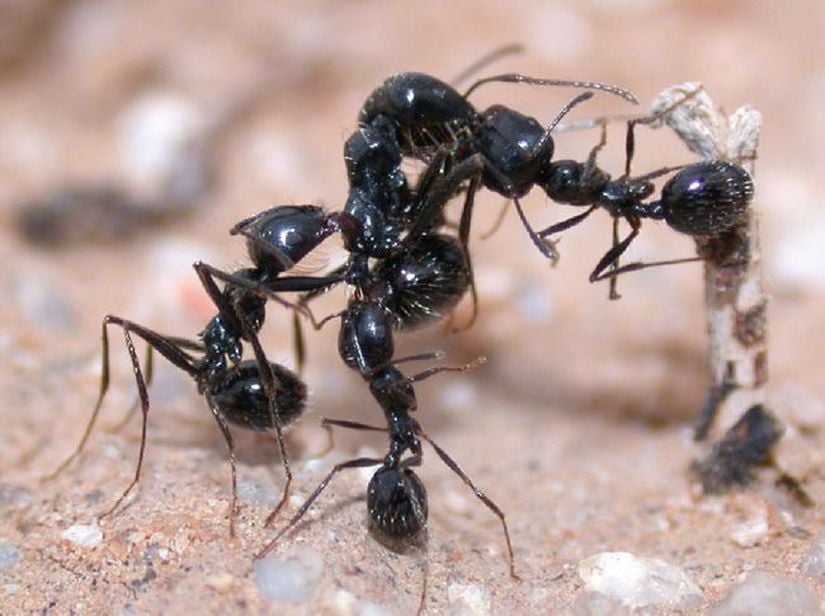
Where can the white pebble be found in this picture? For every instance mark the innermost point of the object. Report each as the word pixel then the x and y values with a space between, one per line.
pixel 9 555
pixel 154 129
pixel 752 531
pixel 291 578
pixel 468 598
pixel 638 582
pixel 84 535
pixel 814 563
pixel 763 594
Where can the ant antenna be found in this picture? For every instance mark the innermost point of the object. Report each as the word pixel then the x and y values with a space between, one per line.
pixel 567 83
pixel 489 58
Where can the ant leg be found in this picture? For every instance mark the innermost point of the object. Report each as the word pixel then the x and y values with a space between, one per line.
pixel 163 345
pixel 613 294
pixel 464 241
pixel 355 463
pixel 165 348
pixel 205 273
pixel 583 85
pixel 351 425
pixel 486 60
pixel 425 374
pixel 636 266
pixel 566 223
pixel 545 246
pixel 299 344
pixel 498 222
pixel 440 189
pixel 453 466
pixel 270 290
pixel 148 371
pixel 230 443
pixel 614 253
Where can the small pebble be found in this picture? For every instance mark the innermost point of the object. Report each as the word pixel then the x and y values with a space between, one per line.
pixel 753 531
pixel 763 594
pixel 638 582
pixel 9 555
pixel 814 563
pixel 291 578
pixel 468 599
pixel 84 535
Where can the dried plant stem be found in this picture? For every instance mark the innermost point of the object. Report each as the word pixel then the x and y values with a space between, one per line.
pixel 734 287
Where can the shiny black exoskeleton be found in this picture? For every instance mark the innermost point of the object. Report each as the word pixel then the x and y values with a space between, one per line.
pixel 396 497
pixel 703 199
pixel 255 394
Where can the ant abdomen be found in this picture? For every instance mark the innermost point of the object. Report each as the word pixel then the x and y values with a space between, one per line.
pixel 422 110
pixel 397 503
pixel 707 198
pixel 240 397
pixel 426 281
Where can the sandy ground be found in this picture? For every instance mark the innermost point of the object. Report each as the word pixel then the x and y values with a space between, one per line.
pixel 577 426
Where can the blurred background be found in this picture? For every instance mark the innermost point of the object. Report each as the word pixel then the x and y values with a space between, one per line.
pixel 134 135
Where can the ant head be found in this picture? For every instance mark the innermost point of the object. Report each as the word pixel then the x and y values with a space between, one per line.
pixel 396 503
pixel 707 198
pixel 281 236
pixel 509 141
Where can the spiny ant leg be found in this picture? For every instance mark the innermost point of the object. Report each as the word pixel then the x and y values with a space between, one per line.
pixel 584 85
pixel 230 444
pixel 545 246
pixel 425 374
pixel 453 466
pixel 355 463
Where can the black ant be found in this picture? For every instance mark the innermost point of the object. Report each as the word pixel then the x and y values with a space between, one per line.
pixel 702 199
pixel 255 394
pixel 500 148
pixel 396 497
